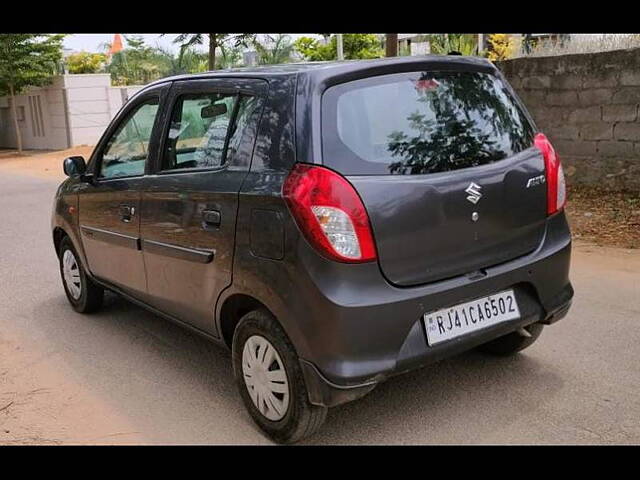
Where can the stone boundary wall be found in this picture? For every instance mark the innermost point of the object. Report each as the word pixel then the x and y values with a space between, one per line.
pixel 587 104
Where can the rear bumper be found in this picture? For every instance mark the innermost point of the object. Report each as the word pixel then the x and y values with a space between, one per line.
pixel 416 354
pixel 360 330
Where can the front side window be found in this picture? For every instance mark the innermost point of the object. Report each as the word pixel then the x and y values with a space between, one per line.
pixel 198 131
pixel 420 123
pixel 128 148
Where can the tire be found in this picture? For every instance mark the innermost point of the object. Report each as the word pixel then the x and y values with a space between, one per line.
pixel 513 342
pixel 295 418
pixel 83 294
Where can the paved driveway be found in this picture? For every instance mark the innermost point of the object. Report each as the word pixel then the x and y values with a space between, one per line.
pixel 126 376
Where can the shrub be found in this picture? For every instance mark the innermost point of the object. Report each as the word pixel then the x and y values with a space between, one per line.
pixel 85 62
pixel 501 46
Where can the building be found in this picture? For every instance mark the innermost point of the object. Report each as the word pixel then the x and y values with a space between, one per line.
pixel 250 58
pixel 413 44
pixel 73 110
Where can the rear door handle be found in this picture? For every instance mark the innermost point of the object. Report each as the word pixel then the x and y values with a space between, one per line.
pixel 211 218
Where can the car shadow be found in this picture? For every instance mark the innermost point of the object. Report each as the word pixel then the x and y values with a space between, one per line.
pixel 465 399
pixel 178 387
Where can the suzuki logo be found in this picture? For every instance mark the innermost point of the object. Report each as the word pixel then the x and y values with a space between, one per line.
pixel 474 193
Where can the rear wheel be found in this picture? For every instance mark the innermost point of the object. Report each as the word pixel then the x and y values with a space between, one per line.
pixel 83 294
pixel 512 342
pixel 270 380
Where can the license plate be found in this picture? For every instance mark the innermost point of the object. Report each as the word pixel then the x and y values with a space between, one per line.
pixel 452 322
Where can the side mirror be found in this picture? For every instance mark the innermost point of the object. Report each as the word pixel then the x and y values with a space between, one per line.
pixel 74 166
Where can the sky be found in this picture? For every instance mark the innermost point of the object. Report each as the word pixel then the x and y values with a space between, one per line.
pixel 91 42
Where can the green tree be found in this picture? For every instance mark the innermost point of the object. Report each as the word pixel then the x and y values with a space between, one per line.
pixel 230 56
pixel 215 40
pixel 274 49
pixel 136 64
pixel 312 50
pixel 187 60
pixel 27 60
pixel 443 43
pixel 85 62
pixel 355 46
pixel 358 45
pixel 140 63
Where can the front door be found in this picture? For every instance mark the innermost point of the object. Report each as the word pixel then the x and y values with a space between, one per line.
pixel 110 204
pixel 189 207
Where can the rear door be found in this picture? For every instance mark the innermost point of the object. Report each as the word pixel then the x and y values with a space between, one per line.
pixel 109 206
pixel 445 165
pixel 189 205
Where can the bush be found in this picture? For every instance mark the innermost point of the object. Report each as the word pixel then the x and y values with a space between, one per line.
pixel 355 46
pixel 85 62
pixel 443 43
pixel 501 46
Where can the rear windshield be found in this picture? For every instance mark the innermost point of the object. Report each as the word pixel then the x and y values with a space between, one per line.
pixel 421 122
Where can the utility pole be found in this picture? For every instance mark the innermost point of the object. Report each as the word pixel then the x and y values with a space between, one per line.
pixel 339 46
pixel 391 44
pixel 480 42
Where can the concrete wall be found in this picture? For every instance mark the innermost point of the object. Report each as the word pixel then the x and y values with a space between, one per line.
pixel 41 119
pixel 587 104
pixel 88 106
pixel 73 110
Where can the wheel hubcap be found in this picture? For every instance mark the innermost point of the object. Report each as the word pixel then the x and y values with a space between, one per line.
pixel 265 377
pixel 71 274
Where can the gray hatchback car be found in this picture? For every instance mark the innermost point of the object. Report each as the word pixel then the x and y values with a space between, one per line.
pixel 333 224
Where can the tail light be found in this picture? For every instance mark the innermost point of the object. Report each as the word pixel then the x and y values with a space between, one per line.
pixel 556 185
pixel 330 213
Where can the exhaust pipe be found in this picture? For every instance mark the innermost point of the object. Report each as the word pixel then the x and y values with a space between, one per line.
pixel 522 331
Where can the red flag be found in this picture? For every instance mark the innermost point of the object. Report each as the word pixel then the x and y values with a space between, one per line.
pixel 116 45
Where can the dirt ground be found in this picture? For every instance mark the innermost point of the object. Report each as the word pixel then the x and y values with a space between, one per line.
pixel 603 217
pixel 596 216
pixel 41 163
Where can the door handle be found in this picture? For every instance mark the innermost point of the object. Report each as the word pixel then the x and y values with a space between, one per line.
pixel 126 212
pixel 211 218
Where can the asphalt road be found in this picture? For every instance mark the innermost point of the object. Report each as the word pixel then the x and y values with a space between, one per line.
pixel 126 376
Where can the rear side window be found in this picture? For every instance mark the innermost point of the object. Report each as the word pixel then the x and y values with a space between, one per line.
pixel 206 129
pixel 421 122
pixel 198 132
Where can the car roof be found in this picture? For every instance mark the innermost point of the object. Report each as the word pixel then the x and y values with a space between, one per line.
pixel 328 67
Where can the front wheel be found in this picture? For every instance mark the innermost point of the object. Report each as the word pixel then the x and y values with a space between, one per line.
pixel 83 294
pixel 270 380
pixel 513 342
